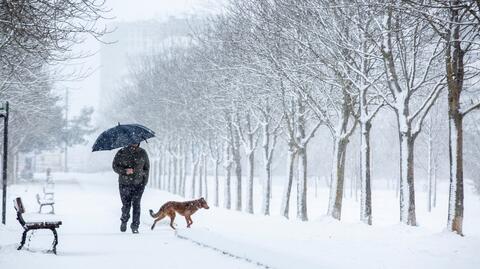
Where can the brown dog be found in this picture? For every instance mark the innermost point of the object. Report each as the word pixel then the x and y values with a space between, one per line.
pixel 185 209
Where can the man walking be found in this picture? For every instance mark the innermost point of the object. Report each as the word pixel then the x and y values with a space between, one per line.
pixel 132 166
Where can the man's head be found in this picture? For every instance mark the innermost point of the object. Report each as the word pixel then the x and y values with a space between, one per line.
pixel 134 146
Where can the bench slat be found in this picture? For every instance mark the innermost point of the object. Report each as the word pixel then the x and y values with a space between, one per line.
pixel 42 225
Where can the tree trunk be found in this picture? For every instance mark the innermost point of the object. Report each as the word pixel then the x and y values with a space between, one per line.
pixel 194 174
pixel 285 207
pixel 430 167
pixel 17 166
pixel 358 174
pixel 170 165
pixel 266 186
pixel 205 176
pixel 365 185
pixel 407 190
pixel 175 175
pixel 340 152
pixel 302 186
pixel 455 75
pixel 435 183
pixel 267 189
pixel 164 170
pixel 357 185
pixel 251 163
pixel 455 201
pixel 337 180
pixel 180 174
pixel 200 176
pixel 267 160
pixel 184 176
pixel 159 168
pixel 215 202
pixel 159 173
pixel 352 178
pixel 227 198
pixel 151 182
pixel 227 194
pixel 153 173
pixel 238 174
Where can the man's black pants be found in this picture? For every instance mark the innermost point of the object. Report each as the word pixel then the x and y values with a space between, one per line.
pixel 131 196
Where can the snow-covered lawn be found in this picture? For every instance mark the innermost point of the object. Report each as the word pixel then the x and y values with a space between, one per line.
pixel 89 206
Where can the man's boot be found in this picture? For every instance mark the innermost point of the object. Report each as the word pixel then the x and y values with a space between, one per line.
pixel 123 227
pixel 135 230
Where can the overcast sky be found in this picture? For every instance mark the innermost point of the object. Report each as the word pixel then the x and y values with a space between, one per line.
pixel 140 9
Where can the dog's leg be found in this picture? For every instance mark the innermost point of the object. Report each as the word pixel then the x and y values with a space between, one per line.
pixel 190 221
pixel 158 219
pixel 172 218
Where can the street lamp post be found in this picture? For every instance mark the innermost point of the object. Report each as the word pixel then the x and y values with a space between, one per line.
pixel 4 114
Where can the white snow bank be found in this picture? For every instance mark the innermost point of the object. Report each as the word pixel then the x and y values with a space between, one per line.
pixel 327 243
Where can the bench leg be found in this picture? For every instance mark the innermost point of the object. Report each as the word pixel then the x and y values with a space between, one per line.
pixel 40 209
pixel 55 240
pixel 24 237
pixel 53 210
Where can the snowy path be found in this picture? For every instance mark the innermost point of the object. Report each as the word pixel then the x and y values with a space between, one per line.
pixel 90 236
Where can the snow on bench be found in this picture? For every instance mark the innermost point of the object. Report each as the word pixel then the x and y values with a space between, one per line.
pixel 28 226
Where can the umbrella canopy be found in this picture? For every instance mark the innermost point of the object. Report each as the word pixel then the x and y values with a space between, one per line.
pixel 122 135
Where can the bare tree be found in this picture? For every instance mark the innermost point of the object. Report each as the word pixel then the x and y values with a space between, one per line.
pixel 270 130
pixel 407 41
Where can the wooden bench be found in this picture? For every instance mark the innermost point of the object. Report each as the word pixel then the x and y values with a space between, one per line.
pixel 28 226
pixel 45 202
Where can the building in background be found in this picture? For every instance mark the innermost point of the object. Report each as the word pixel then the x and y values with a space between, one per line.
pixel 131 40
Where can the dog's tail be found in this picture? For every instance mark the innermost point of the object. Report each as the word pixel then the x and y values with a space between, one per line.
pixel 154 215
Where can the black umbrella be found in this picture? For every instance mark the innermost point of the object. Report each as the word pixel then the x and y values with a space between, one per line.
pixel 122 135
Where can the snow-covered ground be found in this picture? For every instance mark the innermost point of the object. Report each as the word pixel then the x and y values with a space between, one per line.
pixel 89 206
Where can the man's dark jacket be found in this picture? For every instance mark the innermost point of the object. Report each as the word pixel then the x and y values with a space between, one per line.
pixel 137 159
